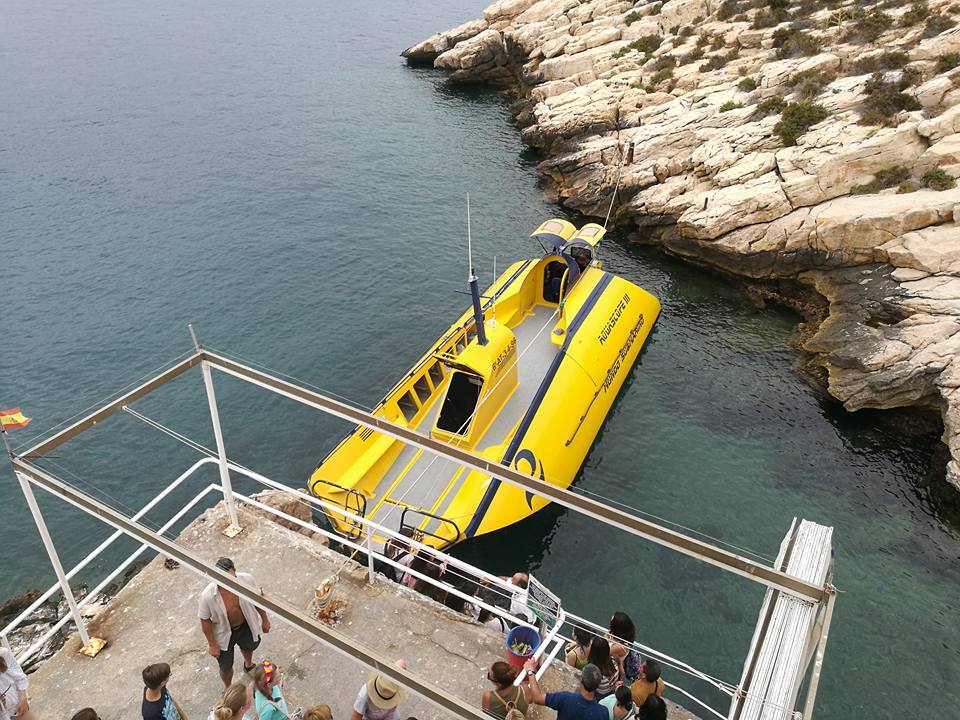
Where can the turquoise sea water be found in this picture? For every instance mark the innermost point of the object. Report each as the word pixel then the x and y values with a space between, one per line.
pixel 278 177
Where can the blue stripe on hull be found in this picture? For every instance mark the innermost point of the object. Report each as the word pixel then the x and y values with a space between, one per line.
pixel 511 451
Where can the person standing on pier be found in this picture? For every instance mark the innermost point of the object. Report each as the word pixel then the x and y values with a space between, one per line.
pixel 580 705
pixel 13 689
pixel 228 620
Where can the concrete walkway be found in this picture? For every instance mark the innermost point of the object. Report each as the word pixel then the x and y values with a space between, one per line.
pixel 154 618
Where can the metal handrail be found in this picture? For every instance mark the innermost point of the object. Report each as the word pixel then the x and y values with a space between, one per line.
pixel 361 508
pixel 370 527
pixel 438 518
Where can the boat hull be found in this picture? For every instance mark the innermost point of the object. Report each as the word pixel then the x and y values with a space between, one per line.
pixel 574 357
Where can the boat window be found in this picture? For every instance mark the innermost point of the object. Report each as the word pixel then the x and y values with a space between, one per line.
pixel 552 278
pixel 408 406
pixel 459 402
pixel 422 388
pixel 460 345
pixel 471 334
pixel 436 374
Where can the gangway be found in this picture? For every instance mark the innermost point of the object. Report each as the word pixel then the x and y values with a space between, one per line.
pixel 791 634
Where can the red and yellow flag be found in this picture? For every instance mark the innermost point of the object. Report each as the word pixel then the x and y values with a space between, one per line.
pixel 12 419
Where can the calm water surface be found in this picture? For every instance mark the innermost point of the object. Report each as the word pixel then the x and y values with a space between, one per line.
pixel 278 177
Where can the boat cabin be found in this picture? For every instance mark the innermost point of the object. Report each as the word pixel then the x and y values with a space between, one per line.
pixel 570 253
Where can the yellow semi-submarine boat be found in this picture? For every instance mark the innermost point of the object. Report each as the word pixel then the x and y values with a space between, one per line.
pixel 526 377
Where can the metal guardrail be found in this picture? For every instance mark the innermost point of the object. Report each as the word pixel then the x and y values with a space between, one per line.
pixel 30 474
pixel 420 532
pixel 551 646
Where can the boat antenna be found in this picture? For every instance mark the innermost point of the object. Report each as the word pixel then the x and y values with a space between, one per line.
pixel 626 152
pixel 493 305
pixel 472 280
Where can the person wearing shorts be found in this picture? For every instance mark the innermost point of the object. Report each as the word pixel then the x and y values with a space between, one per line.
pixel 228 621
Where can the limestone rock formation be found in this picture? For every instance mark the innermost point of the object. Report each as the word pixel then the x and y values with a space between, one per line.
pixel 815 141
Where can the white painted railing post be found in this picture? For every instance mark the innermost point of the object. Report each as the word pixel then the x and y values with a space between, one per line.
pixel 54 559
pixel 234 527
pixel 369 544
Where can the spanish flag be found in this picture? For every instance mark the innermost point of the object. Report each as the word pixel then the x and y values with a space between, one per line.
pixel 12 419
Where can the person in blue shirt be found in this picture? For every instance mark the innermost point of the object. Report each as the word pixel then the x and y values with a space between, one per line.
pixel 580 705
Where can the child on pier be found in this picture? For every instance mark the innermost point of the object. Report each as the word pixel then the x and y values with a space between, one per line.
pixel 158 703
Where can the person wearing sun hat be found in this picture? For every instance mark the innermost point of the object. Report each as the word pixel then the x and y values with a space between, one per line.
pixel 378 698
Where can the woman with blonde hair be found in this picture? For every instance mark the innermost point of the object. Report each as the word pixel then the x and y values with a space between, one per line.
pixel 319 712
pixel 235 703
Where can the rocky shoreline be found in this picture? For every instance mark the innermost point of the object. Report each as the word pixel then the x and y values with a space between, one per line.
pixel 814 143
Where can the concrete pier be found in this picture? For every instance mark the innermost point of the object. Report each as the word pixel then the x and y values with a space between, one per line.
pixel 154 619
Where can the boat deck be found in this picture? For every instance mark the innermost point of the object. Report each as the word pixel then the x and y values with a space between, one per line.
pixel 421 480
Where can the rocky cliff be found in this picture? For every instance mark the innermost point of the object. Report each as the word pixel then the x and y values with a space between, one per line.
pixel 816 142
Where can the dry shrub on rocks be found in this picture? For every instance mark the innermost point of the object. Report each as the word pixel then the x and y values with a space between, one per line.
pixel 793 42
pixel 770 106
pixel 885 99
pixel 892 60
pixel 917 13
pixel 882 179
pixel 948 62
pixel 936 25
pixel 937 179
pixel 867 26
pixel 810 83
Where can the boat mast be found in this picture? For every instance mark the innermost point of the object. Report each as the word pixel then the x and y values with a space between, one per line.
pixel 472 279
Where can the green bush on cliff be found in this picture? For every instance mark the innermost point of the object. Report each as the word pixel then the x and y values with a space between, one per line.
pixel 661 75
pixel 714 63
pixel 771 106
pixel 937 179
pixel 948 62
pixel 632 17
pixel 796 119
pixel 692 56
pixel 810 83
pixel 917 13
pixel 727 9
pixel 868 26
pixel 882 179
pixel 892 60
pixel 793 42
pixel 885 99
pixel 646 45
pixel 748 84
pixel 936 25
pixel 769 17
pixel 730 105
pixel 665 62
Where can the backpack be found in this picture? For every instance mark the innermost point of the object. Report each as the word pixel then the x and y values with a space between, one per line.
pixel 512 712
pixel 631 666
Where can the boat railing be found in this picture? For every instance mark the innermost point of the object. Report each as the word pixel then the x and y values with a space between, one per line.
pixel 363 548
pixel 420 532
pixel 360 508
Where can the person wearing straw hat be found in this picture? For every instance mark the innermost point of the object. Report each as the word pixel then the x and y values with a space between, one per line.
pixel 378 698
